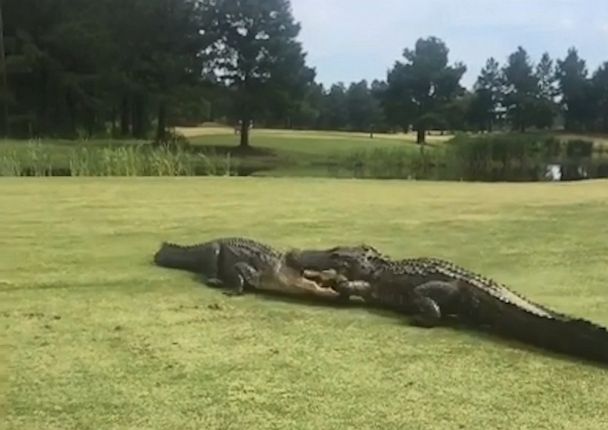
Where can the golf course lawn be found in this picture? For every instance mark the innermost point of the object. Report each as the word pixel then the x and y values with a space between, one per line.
pixel 94 336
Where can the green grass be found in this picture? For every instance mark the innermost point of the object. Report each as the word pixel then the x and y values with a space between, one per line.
pixel 301 153
pixel 97 337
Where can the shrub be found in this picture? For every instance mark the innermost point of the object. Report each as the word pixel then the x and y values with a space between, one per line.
pixel 37 159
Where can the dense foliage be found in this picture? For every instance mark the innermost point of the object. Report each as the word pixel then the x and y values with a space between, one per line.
pixel 137 67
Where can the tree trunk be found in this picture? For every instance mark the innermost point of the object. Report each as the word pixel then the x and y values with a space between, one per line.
pixel 90 122
pixel 421 136
pixel 124 116
pixel 245 133
pixel 71 107
pixel 161 135
pixel 139 127
pixel 113 116
pixel 421 139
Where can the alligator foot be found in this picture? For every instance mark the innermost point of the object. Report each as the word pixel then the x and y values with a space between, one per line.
pixel 430 298
pixel 249 274
pixel 428 315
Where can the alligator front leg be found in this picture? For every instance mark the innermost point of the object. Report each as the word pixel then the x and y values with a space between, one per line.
pixel 432 301
pixel 240 275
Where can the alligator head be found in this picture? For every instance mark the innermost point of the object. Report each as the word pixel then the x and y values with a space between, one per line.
pixel 355 262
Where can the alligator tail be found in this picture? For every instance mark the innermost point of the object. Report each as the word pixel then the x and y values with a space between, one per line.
pixel 175 256
pixel 570 336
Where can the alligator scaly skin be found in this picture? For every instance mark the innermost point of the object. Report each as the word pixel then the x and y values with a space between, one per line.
pixel 237 264
pixel 431 290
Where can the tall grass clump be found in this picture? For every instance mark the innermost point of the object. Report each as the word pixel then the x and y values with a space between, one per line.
pixel 490 158
pixel 518 157
pixel 386 163
pixel 29 158
pixel 164 161
pixel 37 159
pixel 10 165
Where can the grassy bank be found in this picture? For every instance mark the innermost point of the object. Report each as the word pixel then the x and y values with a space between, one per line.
pixel 96 337
pixel 273 152
pixel 215 151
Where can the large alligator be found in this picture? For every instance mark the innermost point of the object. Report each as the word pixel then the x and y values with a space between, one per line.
pixel 432 291
pixel 239 264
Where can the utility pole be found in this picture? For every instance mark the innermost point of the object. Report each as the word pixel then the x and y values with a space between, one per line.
pixel 4 93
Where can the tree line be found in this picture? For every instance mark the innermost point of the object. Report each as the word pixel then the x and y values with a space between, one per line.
pixel 134 68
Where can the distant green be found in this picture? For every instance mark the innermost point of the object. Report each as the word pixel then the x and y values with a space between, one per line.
pixel 94 336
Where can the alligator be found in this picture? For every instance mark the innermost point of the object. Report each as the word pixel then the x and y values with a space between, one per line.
pixel 434 291
pixel 238 264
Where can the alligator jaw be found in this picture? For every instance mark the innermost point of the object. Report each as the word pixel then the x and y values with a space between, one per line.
pixel 317 260
pixel 356 262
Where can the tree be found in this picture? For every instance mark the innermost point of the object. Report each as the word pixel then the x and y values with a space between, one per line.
pixel 4 127
pixel 571 74
pixel 307 113
pixel 454 115
pixel 545 110
pixel 79 65
pixel 488 91
pixel 521 90
pixel 253 50
pixel 381 121
pixel 335 112
pixel 600 89
pixel 421 86
pixel 364 111
pixel 545 74
pixel 174 67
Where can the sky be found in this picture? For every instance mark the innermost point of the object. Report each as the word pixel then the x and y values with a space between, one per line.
pixel 350 40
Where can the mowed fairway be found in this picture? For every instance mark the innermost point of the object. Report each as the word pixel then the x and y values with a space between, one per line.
pixel 95 337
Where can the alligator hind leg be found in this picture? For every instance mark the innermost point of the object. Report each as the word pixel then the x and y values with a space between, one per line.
pixel 241 274
pixel 433 300
pixel 427 313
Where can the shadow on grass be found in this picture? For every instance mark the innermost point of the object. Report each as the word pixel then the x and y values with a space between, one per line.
pixel 475 331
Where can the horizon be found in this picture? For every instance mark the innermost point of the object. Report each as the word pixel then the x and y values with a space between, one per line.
pixel 340 51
